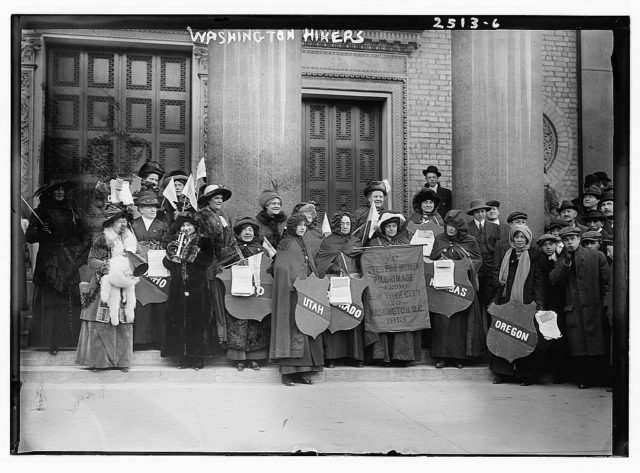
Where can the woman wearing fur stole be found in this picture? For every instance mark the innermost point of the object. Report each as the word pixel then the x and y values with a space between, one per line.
pixel 106 334
pixel 190 331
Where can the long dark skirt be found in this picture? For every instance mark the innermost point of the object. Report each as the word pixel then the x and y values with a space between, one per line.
pixel 56 318
pixel 344 344
pixel 449 335
pixel 312 358
pixel 102 345
pixel 525 367
pixel 401 346
pixel 149 326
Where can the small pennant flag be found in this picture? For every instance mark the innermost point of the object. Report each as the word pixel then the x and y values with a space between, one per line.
pixel 266 244
pixel 170 194
pixel 373 219
pixel 326 228
pixel 201 171
pixel 387 186
pixel 190 192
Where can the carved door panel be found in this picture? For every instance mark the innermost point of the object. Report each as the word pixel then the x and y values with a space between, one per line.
pixel 116 109
pixel 341 152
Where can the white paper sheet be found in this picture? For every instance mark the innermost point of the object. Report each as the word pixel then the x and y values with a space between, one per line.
pixel 241 280
pixel 424 238
pixel 340 290
pixel 548 324
pixel 443 274
pixel 156 268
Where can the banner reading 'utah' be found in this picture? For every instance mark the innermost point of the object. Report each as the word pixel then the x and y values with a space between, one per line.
pixel 397 299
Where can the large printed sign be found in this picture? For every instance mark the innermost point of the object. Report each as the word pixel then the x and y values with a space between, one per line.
pixel 254 307
pixel 313 311
pixel 512 333
pixel 349 316
pixel 397 299
pixel 456 299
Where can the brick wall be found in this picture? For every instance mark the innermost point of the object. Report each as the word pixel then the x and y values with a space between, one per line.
pixel 560 86
pixel 429 109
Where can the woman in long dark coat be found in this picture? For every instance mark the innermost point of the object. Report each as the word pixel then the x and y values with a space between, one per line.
pixel 425 204
pixel 296 353
pixel 63 247
pixel 520 279
pixel 398 348
pixel 459 337
pixel 247 341
pixel 152 234
pixel 190 332
pixel 338 255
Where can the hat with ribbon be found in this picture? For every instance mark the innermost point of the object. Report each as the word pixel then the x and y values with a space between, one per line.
pixel 390 217
pixel 212 190
pixel 113 212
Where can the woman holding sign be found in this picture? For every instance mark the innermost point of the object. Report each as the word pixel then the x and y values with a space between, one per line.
pixel 461 336
pixel 338 256
pixel 296 353
pixel 397 348
pixel 520 278
pixel 247 340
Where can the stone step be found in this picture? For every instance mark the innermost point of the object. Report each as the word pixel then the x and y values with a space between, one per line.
pixel 225 374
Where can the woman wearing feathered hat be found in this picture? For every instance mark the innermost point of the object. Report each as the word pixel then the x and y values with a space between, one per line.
pixel 399 348
pixel 190 326
pixel 460 337
pixel 63 245
pixel 215 225
pixel 247 341
pixel 104 342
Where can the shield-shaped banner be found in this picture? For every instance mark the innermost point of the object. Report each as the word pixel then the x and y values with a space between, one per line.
pixel 152 290
pixel 313 311
pixel 349 316
pixel 450 301
pixel 254 307
pixel 512 333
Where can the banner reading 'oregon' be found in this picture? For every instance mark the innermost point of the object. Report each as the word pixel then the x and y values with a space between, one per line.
pixel 397 299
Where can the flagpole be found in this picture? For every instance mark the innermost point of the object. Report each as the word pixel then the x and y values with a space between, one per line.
pixel 33 211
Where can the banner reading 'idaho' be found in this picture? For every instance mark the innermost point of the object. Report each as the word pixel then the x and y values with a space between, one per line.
pixel 397 299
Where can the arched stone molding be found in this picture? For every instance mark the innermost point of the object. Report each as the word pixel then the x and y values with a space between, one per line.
pixel 560 165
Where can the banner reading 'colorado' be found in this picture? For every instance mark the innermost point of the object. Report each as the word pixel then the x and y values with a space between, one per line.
pixel 397 299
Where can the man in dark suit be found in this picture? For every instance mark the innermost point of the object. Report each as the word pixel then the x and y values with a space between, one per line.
pixel 432 175
pixel 488 236
pixel 493 216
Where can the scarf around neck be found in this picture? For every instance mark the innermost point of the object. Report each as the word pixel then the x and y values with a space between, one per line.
pixel 524 263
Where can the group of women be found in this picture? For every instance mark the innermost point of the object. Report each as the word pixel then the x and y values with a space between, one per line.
pixel 194 324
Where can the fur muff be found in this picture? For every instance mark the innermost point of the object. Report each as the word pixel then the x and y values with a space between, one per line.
pixel 119 282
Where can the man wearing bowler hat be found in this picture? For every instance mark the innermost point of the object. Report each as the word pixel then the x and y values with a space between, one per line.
pixel 431 174
pixel 488 236
pixel 583 275
pixel 569 213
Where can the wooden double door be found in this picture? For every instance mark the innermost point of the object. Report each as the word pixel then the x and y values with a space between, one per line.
pixel 341 152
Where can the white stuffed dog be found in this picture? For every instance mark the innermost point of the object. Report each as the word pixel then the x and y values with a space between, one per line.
pixel 120 276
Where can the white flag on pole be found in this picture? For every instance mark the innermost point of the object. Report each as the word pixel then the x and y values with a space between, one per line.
pixel 266 244
pixel 190 192
pixel 201 171
pixel 326 228
pixel 373 219
pixel 170 194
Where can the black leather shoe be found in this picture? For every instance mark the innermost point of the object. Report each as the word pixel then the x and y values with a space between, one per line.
pixel 441 364
pixel 459 366
pixel 124 370
pixel 240 366
pixel 525 382
pixel 330 364
pixel 254 365
pixel 198 364
pixel 583 386
pixel 53 351
pixel 184 363
pixel 497 379
pixel 358 364
pixel 304 379
pixel 286 380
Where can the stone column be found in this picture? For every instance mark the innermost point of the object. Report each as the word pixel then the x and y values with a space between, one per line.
pixel 497 121
pixel 254 117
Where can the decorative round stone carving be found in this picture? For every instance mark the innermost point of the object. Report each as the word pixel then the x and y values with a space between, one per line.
pixel 550 138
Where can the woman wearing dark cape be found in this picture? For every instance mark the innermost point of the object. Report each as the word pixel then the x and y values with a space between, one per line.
pixel 296 353
pixel 461 336
pixel 339 255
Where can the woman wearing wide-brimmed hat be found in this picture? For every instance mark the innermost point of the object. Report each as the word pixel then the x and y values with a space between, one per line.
pixel 215 225
pixel 247 341
pixel 102 344
pixel 460 337
pixel 271 218
pixel 153 234
pixel 398 348
pixel 425 207
pixel 63 246
pixel 190 333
